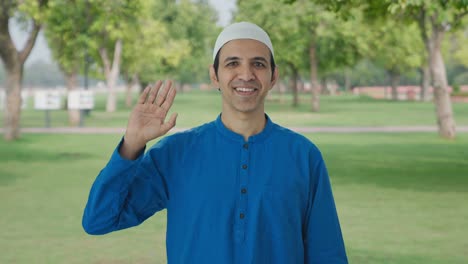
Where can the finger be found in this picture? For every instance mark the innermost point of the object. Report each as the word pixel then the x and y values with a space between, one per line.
pixel 144 95
pixel 169 100
pixel 166 126
pixel 163 93
pixel 154 92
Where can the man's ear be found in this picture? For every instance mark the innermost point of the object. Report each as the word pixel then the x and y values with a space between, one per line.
pixel 274 77
pixel 213 77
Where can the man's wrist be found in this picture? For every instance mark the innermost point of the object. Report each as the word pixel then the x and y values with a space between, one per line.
pixel 130 149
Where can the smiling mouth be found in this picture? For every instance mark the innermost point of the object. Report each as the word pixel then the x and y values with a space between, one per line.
pixel 245 90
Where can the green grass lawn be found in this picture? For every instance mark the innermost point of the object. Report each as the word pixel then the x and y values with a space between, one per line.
pixel 402 198
pixel 197 107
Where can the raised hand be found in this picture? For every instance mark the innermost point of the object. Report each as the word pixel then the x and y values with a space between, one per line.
pixel 148 118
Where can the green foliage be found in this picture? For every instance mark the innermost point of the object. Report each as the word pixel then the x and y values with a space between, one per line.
pixel 396 47
pixel 192 23
pixel 443 13
pixel 31 9
pixel 457 46
pixel 294 26
pixel 77 28
pixel 161 39
pixel 149 48
pixel 173 40
pixel 281 23
pixel 461 79
pixel 111 21
pixel 67 33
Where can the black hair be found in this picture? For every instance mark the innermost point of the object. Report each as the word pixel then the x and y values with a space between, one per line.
pixel 216 64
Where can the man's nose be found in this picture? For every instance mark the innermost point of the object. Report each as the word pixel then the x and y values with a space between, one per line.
pixel 246 73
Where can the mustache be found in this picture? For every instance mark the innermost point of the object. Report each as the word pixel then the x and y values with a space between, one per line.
pixel 248 84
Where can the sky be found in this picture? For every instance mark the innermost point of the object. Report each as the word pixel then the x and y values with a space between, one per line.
pixel 41 50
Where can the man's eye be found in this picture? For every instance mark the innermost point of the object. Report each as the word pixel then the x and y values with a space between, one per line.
pixel 232 63
pixel 259 64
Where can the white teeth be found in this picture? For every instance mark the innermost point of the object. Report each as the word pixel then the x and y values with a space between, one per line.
pixel 242 89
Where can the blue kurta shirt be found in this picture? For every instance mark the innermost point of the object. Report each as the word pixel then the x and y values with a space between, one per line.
pixel 267 200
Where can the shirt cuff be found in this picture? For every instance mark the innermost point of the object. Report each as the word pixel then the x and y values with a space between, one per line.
pixel 117 158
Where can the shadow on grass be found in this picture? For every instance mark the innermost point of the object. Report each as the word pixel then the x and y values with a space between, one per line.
pixel 339 104
pixel 362 256
pixel 15 155
pixel 7 178
pixel 421 167
pixel 23 155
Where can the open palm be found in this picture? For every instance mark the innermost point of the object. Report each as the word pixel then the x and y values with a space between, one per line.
pixel 148 118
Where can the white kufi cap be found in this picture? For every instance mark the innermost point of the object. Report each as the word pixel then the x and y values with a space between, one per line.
pixel 242 30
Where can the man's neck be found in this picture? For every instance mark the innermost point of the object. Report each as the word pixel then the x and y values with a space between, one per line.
pixel 244 124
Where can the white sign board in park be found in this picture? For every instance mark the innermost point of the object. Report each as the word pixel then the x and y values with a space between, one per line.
pixel 81 100
pixel 47 100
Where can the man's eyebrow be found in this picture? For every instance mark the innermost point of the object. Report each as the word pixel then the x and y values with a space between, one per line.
pixel 234 58
pixel 259 59
pixel 231 59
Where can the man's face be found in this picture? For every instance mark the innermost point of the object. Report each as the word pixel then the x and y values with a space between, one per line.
pixel 244 75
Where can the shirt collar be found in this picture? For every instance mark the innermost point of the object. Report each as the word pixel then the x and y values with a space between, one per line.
pixel 237 137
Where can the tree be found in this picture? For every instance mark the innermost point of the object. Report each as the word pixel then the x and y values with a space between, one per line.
pixel 96 27
pixel 31 13
pixel 177 37
pixel 156 51
pixel 458 49
pixel 281 23
pixel 306 28
pixel 442 16
pixel 65 31
pixel 194 24
pixel 455 55
pixel 434 19
pixel 395 47
pixel 110 23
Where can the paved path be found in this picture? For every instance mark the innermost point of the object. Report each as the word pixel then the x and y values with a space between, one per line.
pixel 326 129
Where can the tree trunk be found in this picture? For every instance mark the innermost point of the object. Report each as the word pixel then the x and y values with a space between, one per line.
pixel 300 85
pixel 347 80
pixel 129 95
pixel 293 83
pixel 73 114
pixel 443 104
pixel 324 88
pixel 394 82
pixel 130 81
pixel 425 81
pixel 282 90
pixel 314 78
pixel 422 20
pixel 13 60
pixel 143 85
pixel 13 103
pixel 112 73
pixel 178 86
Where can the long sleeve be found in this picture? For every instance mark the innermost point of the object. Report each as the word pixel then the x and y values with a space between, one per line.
pixel 124 194
pixel 323 240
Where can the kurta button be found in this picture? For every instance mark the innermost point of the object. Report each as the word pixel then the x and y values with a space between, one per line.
pixel 241 216
pixel 244 166
pixel 244 190
pixel 246 146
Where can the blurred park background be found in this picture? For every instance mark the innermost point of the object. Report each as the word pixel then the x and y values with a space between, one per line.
pixel 393 66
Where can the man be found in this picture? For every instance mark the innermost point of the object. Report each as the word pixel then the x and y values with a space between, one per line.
pixel 240 189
